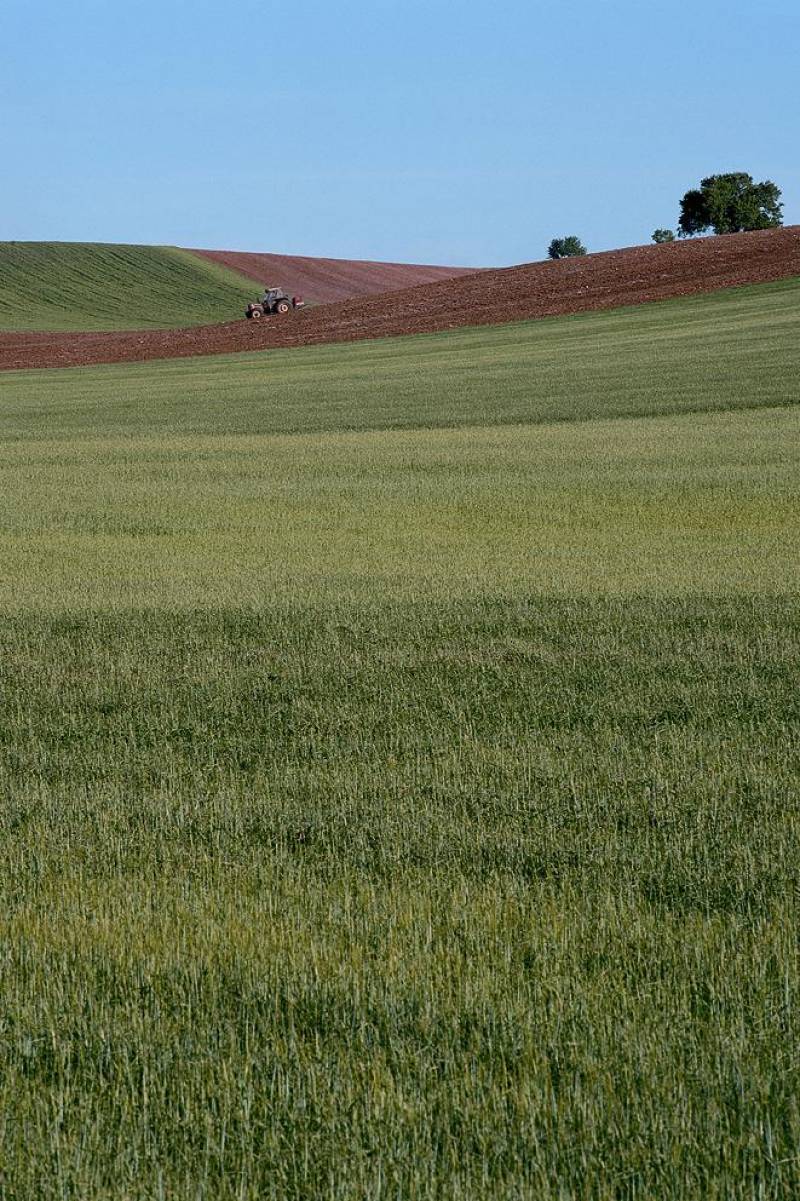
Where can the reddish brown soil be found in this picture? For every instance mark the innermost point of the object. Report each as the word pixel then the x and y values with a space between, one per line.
pixel 322 280
pixel 598 281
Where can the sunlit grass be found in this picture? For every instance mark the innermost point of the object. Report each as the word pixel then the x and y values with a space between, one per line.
pixel 658 506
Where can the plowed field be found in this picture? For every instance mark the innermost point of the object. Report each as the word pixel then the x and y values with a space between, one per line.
pixel 323 280
pixel 601 281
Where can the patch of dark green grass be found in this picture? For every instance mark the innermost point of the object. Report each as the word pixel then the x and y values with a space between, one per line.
pixel 86 286
pixel 433 900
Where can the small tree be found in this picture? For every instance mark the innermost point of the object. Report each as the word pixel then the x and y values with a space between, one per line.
pixel 663 235
pixel 566 248
pixel 730 204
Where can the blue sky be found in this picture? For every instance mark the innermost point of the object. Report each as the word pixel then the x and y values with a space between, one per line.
pixel 412 130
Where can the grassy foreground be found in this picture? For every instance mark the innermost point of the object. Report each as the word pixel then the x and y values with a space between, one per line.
pixel 85 286
pixel 391 812
pixel 466 900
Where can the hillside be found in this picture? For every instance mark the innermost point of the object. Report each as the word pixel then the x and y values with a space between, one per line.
pixel 323 280
pixel 600 281
pixel 85 286
pixel 78 286
pixel 733 349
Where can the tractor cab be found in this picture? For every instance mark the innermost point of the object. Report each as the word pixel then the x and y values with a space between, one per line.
pixel 273 295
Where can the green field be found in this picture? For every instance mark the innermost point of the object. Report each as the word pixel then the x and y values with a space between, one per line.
pixel 399 753
pixel 89 286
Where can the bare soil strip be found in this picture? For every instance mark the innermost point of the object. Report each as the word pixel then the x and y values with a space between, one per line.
pixel 598 281
pixel 323 280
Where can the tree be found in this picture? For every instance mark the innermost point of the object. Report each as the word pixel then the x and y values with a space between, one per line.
pixel 566 248
pixel 663 235
pixel 730 204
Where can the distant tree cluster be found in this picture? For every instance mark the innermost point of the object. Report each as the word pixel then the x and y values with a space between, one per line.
pixel 728 204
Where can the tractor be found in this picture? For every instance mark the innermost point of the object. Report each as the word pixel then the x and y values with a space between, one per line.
pixel 274 300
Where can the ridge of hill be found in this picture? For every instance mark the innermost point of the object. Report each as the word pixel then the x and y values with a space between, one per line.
pixel 612 279
pixel 323 280
pixel 102 286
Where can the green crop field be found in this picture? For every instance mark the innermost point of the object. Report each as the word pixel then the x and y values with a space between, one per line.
pixel 399 762
pixel 88 286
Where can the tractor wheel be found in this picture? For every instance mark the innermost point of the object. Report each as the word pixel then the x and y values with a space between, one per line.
pixel 283 306
pixel 256 314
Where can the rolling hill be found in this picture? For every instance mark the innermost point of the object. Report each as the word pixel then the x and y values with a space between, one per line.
pixel 80 286
pixel 732 349
pixel 71 286
pixel 323 280
pixel 600 281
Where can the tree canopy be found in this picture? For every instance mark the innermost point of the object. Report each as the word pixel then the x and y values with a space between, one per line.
pixel 730 204
pixel 566 248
